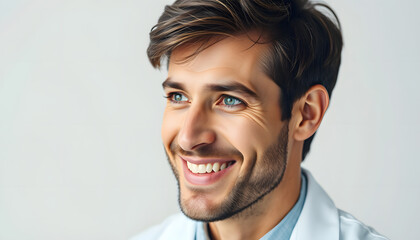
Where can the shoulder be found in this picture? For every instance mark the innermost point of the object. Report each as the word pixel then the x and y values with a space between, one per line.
pixel 177 226
pixel 320 219
pixel 351 228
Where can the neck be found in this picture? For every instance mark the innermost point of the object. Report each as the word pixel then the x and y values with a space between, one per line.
pixel 260 218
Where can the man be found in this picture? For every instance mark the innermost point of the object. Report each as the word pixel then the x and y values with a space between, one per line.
pixel 248 85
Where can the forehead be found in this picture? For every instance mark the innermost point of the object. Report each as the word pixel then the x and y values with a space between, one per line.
pixel 238 56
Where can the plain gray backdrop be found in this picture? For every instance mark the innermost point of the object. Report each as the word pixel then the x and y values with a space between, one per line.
pixel 81 107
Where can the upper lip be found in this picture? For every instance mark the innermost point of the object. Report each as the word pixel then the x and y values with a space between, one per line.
pixel 197 160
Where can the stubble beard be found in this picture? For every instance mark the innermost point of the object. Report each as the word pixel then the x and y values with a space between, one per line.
pixel 248 190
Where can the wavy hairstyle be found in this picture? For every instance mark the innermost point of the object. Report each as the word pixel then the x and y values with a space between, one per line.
pixel 305 43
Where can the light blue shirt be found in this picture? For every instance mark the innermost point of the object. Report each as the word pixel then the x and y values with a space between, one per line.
pixel 283 230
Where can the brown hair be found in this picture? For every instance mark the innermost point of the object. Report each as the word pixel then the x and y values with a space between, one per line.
pixel 305 43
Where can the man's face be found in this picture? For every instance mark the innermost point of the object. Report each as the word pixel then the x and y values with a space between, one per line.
pixel 222 128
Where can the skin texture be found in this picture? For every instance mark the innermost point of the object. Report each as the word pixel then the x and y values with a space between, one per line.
pixel 209 117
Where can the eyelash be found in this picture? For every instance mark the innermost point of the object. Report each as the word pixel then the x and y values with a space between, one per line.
pixel 170 96
pixel 224 96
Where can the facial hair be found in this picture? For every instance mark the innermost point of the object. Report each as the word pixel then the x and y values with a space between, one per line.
pixel 249 189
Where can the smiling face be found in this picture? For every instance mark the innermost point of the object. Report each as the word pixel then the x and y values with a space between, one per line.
pixel 222 128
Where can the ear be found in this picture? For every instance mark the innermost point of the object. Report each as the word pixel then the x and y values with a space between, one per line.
pixel 309 111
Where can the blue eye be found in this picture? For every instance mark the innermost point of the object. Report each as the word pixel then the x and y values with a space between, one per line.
pixel 231 101
pixel 177 97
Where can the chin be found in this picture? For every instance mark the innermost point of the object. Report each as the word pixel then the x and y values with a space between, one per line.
pixel 198 208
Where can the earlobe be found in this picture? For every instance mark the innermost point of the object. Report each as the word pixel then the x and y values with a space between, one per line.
pixel 310 110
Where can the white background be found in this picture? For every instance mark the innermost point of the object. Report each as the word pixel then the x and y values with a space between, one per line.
pixel 81 107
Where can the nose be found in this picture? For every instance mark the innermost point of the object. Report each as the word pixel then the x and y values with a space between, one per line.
pixel 196 130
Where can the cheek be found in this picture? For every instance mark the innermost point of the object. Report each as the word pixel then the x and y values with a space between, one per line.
pixel 248 132
pixel 170 124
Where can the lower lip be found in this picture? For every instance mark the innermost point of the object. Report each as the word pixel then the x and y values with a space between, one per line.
pixel 203 178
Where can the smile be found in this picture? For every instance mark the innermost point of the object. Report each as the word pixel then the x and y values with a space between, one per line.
pixel 205 171
pixel 208 167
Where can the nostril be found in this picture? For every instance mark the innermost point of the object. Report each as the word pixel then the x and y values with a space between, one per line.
pixel 198 146
pixel 194 138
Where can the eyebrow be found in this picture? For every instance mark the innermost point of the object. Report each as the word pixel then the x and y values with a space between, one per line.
pixel 225 87
pixel 168 83
pixel 232 87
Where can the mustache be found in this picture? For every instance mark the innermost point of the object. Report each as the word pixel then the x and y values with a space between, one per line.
pixel 206 151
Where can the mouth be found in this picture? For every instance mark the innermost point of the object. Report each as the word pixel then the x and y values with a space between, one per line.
pixel 205 172
pixel 208 167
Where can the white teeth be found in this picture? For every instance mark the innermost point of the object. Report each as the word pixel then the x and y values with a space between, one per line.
pixel 194 168
pixel 216 167
pixel 202 168
pixel 209 168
